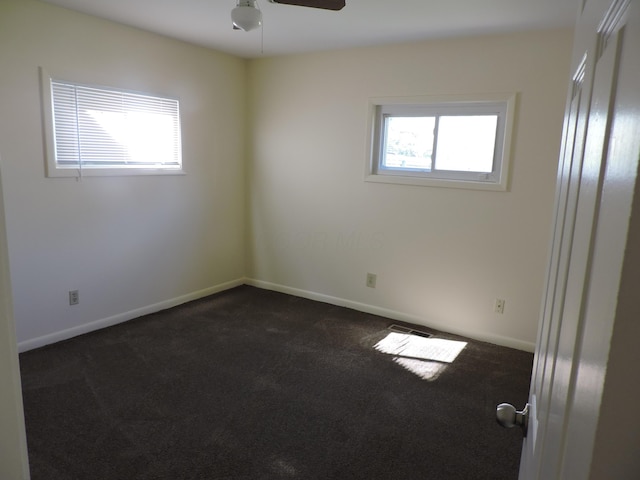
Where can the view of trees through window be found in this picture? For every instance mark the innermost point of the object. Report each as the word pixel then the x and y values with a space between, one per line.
pixel 409 142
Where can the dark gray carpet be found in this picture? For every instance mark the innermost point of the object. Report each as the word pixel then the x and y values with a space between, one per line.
pixel 250 384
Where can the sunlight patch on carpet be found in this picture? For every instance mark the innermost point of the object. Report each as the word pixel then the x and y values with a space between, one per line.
pixel 425 357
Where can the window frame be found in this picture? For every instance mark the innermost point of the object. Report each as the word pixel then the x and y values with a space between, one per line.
pixel 502 105
pixel 53 169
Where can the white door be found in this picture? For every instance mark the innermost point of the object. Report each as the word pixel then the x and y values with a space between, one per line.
pixel 555 440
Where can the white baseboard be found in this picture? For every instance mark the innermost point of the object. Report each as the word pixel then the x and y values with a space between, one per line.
pixel 362 307
pixel 123 317
pixel 394 315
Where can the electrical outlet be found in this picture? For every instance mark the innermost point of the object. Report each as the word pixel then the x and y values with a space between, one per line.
pixel 74 297
pixel 499 305
pixel 371 280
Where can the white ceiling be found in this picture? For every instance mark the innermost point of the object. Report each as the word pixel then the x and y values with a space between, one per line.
pixel 290 29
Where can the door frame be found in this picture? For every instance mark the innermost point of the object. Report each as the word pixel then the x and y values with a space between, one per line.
pixel 14 461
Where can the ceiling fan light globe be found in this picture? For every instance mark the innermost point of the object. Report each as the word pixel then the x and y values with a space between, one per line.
pixel 246 17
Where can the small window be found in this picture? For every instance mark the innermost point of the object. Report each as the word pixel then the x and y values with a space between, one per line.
pixel 106 131
pixel 443 141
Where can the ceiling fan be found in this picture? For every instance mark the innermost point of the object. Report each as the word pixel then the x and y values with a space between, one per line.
pixel 246 16
pixel 324 4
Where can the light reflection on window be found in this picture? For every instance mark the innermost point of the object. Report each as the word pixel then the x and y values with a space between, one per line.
pixel 425 357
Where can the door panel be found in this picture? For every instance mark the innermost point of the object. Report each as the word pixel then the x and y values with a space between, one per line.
pixel 572 317
pixel 547 347
pixel 567 312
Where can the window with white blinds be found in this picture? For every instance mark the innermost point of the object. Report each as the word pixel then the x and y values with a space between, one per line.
pixel 105 131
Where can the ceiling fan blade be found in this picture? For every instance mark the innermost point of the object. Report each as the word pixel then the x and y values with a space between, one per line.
pixel 324 4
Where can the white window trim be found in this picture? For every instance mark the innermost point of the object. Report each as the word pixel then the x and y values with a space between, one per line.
pixel 440 102
pixel 53 170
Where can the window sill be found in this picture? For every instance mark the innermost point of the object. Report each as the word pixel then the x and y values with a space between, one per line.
pixel 437 182
pixel 110 172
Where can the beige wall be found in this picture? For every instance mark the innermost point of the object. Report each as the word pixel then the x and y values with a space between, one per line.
pixel 129 244
pixel 132 244
pixel 442 256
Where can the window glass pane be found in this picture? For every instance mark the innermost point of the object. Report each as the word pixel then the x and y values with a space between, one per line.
pixel 466 143
pixel 409 142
